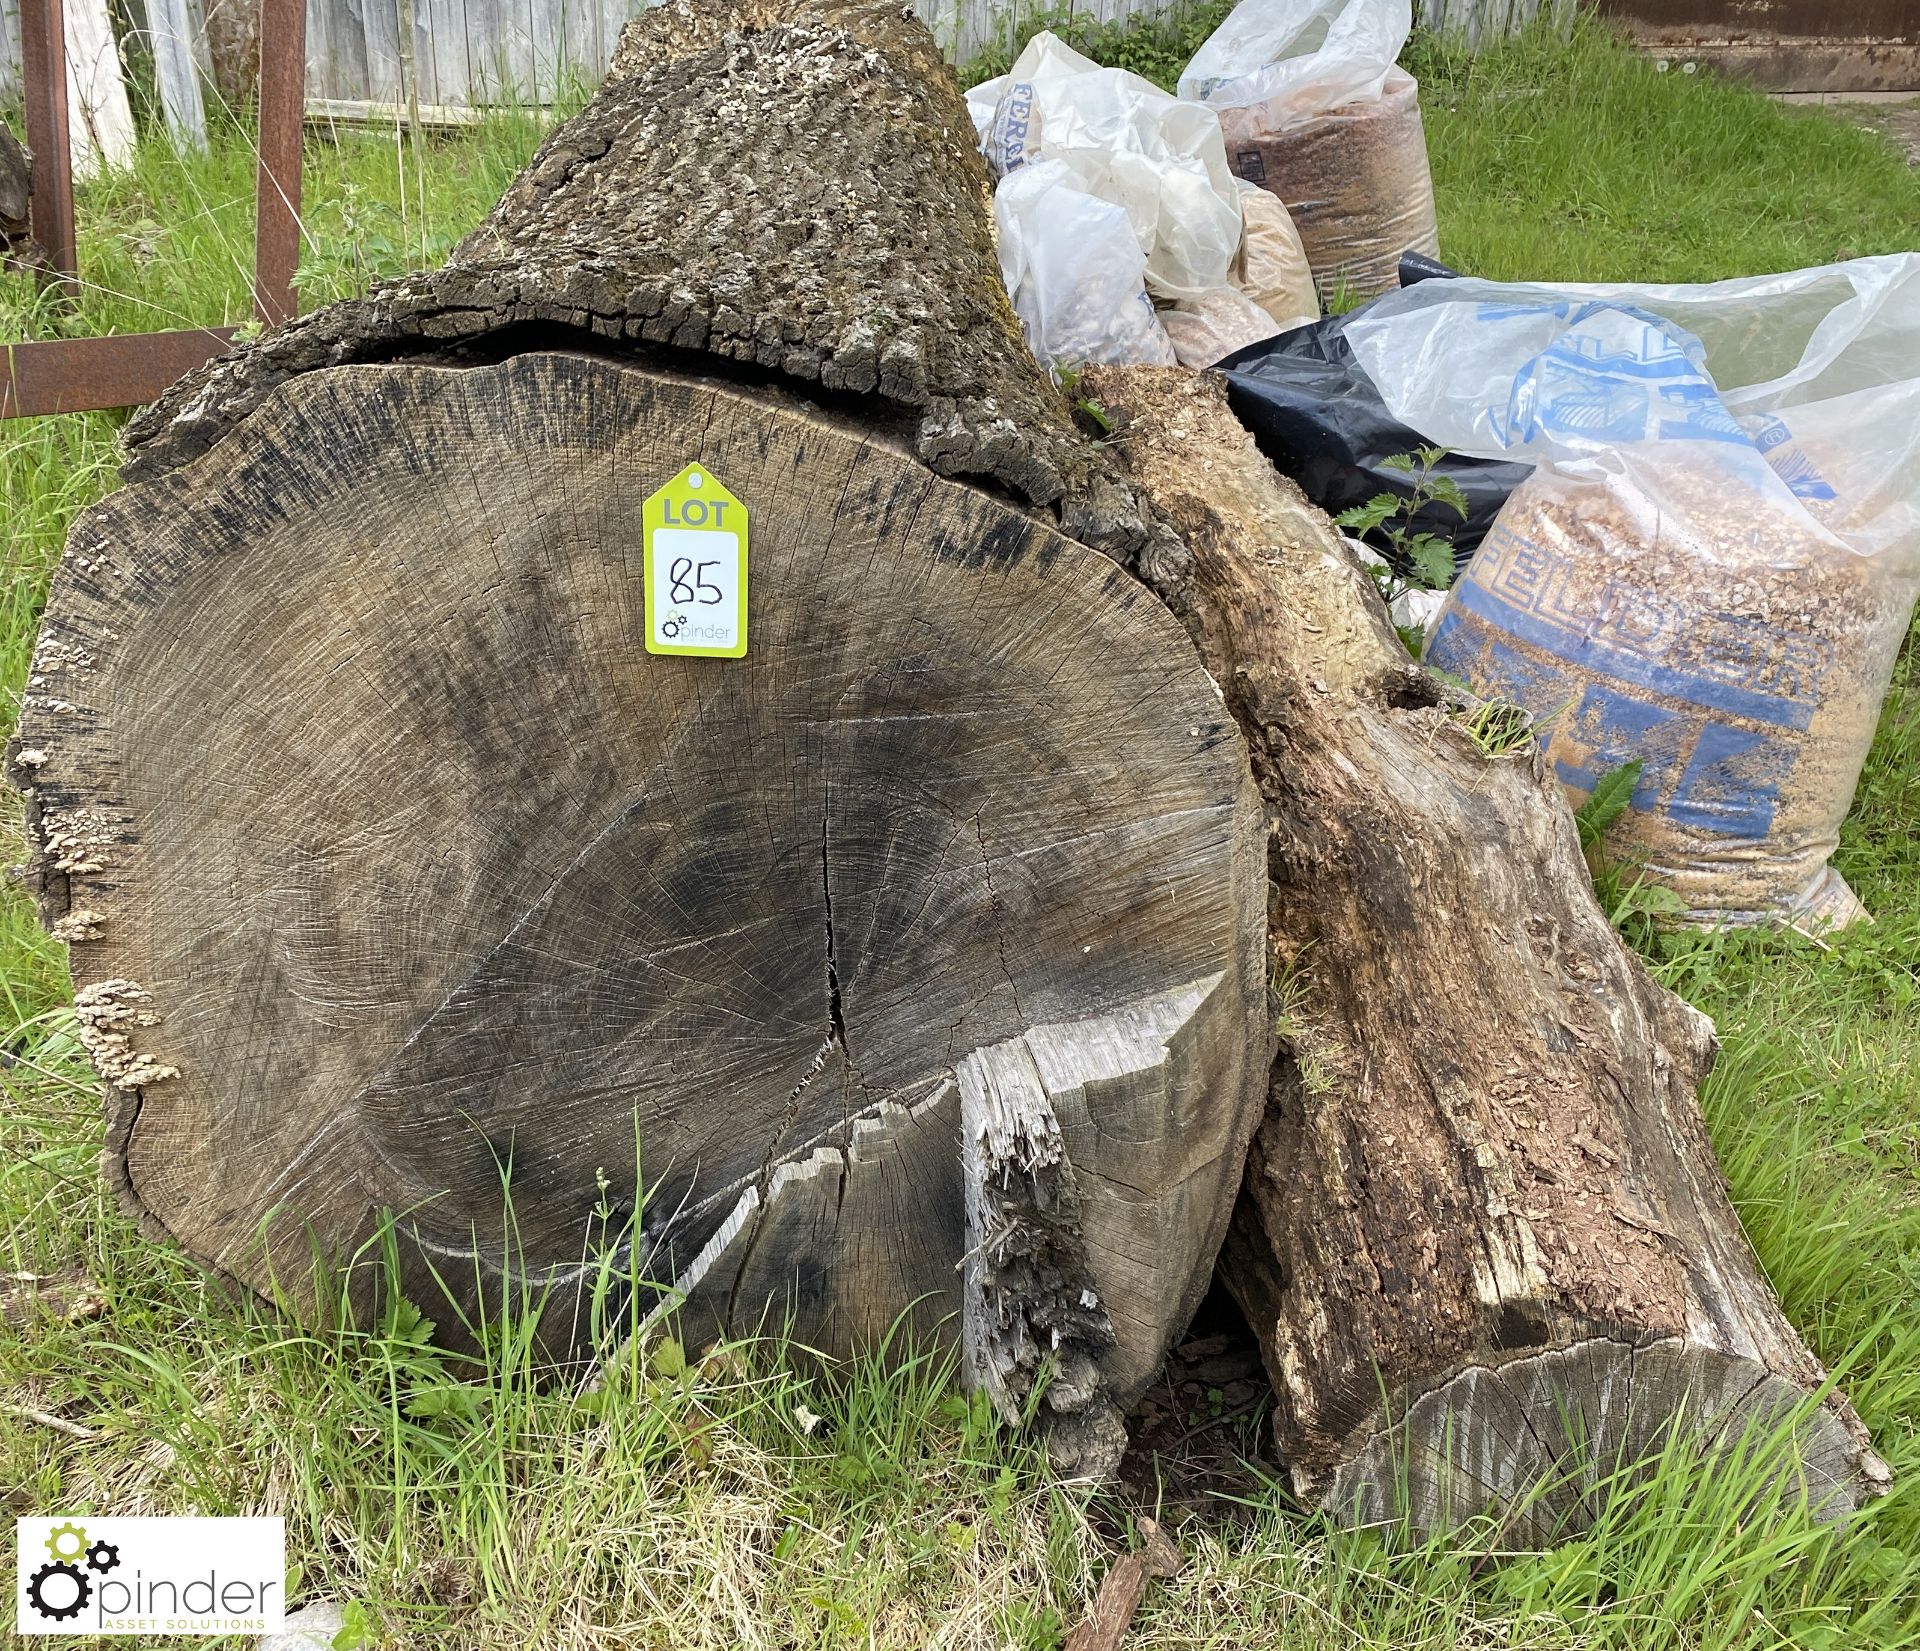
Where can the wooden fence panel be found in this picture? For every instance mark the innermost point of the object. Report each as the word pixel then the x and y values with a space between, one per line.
pixel 176 35
pixel 484 51
pixel 386 81
pixel 99 117
pixel 493 51
pixel 9 50
pixel 1480 21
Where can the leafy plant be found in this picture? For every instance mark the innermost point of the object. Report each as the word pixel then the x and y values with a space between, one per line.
pixel 357 1628
pixel 1091 412
pixel 1416 558
pixel 1610 797
pixel 1635 906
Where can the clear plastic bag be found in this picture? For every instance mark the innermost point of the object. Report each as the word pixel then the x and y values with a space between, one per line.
pixel 1075 272
pixel 1205 329
pixel 1714 563
pixel 1127 142
pixel 1354 180
pixel 1298 58
pixel 1272 268
pixel 1313 109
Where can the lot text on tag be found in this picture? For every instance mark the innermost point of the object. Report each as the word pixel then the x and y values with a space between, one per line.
pixel 696 567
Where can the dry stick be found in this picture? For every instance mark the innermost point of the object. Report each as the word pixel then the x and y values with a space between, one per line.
pixel 59 1424
pixel 1123 1588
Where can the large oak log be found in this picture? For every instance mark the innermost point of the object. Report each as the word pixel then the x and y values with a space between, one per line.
pixel 910 966
pixel 1483 1239
pixel 916 962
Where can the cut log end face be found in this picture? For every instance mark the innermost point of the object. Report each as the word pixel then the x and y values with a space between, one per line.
pixel 1543 1444
pixel 911 966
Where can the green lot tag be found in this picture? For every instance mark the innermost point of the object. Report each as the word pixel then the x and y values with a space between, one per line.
pixel 695 534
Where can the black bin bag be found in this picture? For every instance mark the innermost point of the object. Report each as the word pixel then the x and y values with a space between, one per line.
pixel 1317 417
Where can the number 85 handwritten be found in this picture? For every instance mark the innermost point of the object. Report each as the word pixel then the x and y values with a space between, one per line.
pixel 683 578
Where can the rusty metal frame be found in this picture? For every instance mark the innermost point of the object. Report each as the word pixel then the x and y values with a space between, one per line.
pixel 72 375
pixel 43 58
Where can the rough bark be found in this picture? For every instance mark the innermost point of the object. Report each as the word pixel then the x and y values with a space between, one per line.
pixel 18 249
pixel 1123 1588
pixel 379 838
pixel 1483 1237
pixel 233 50
pixel 791 188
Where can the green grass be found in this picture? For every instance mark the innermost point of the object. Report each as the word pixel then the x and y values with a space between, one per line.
pixel 1583 162
pixel 1157 47
pixel 699 1507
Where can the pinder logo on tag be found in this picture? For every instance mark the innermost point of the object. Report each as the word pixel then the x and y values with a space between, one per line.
pixel 695 567
pixel 149 1576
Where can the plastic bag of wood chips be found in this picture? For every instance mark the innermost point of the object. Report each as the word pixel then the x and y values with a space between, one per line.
pixel 1313 109
pixel 1714 563
pixel 1075 272
pixel 1127 142
pixel 1204 329
pixel 1272 268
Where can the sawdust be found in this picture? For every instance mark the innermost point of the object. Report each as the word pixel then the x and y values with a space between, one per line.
pixel 1735 649
pixel 1354 179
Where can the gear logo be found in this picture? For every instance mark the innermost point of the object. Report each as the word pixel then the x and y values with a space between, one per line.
pixel 66 1543
pixel 59 1590
pixel 104 1574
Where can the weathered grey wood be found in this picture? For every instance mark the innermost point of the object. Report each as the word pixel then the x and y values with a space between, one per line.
pixel 328 69
pixel 548 25
pixel 540 41
pixel 396 868
pixel 10 84
pixel 176 35
pixel 388 80
pixel 384 117
pixel 347 49
pixel 1549 1438
pixel 1483 1239
pixel 373 68
pixel 607 19
pixel 494 49
pixel 99 120
pixel 1481 22
pixel 452 888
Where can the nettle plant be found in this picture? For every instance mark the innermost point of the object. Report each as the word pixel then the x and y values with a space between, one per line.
pixel 1415 559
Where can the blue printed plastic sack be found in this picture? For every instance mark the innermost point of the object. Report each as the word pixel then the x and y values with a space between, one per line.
pixel 1713 565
